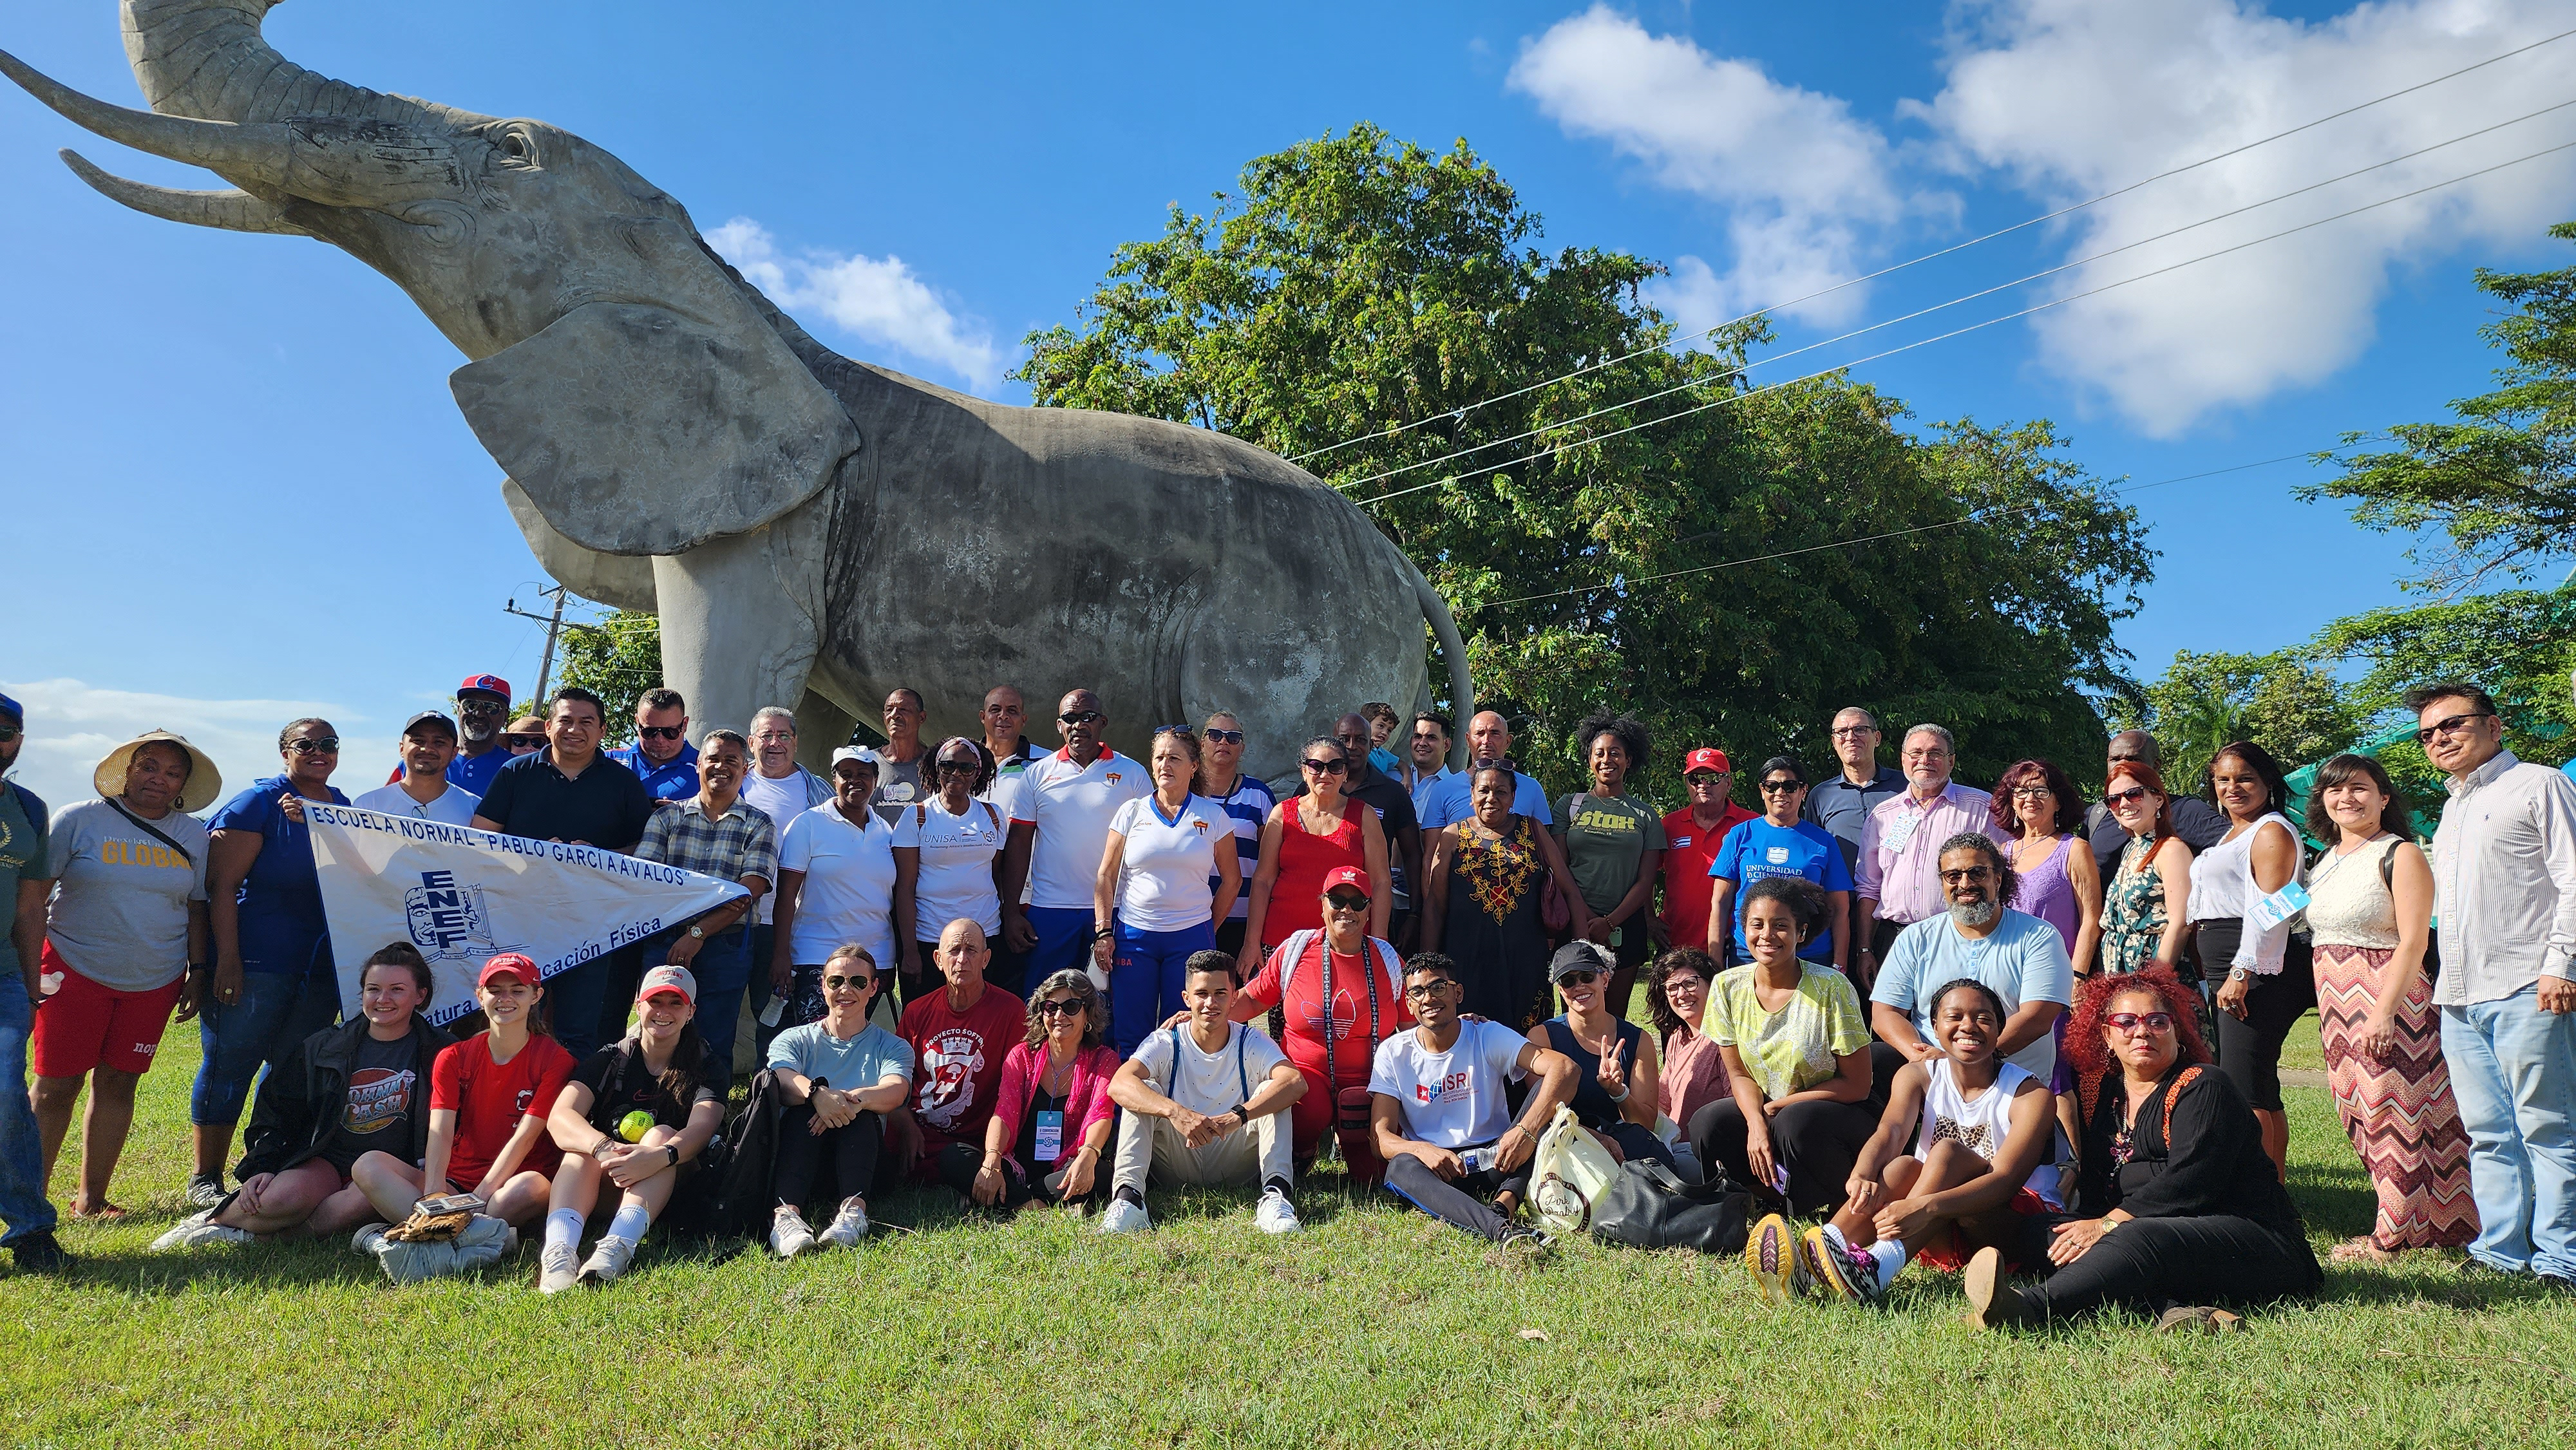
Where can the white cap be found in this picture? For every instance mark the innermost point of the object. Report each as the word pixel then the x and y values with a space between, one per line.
pixel 859 753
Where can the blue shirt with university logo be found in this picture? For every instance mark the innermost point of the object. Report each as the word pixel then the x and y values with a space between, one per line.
pixel 1757 850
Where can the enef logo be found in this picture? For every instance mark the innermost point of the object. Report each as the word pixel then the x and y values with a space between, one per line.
pixel 447 921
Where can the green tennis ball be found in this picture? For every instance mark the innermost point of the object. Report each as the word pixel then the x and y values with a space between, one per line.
pixel 635 1125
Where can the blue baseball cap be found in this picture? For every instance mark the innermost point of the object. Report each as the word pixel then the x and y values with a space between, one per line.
pixel 13 709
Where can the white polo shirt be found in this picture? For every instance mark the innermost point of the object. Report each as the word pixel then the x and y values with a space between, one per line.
pixel 1072 805
pixel 1169 862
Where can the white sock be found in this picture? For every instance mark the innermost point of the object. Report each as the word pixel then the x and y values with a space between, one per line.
pixel 630 1223
pixel 563 1227
pixel 1836 1235
pixel 1891 1256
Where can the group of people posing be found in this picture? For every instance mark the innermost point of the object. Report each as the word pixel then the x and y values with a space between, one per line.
pixel 1985 1030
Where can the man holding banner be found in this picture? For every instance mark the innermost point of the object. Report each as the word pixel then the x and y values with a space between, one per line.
pixel 719 834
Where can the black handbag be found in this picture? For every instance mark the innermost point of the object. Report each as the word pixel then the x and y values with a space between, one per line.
pixel 1648 1206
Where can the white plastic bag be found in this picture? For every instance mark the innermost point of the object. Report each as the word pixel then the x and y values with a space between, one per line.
pixel 1568 1174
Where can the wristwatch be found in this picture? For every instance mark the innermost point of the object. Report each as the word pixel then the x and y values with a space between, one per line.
pixel 674 1150
pixel 2240 974
pixel 1242 1112
pixel 698 932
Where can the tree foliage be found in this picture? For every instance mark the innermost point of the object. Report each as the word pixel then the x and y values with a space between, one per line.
pixel 617 659
pixel 2281 701
pixel 1653 533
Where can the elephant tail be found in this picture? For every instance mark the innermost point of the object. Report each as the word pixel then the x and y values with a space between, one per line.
pixel 1462 690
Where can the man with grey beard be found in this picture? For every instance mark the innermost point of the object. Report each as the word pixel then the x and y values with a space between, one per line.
pixel 2020 956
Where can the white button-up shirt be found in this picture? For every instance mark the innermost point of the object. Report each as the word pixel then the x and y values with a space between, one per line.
pixel 2504 881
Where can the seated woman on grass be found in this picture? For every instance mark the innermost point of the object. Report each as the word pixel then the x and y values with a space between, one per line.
pixel 350 1093
pixel 488 1100
pixel 1964 1152
pixel 629 1119
pixel 2179 1205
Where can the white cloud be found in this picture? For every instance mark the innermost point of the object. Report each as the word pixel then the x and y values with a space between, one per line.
pixel 878 300
pixel 1803 183
pixel 72 725
pixel 2069 98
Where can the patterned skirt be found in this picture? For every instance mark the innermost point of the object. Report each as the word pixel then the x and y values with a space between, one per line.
pixel 2400 1113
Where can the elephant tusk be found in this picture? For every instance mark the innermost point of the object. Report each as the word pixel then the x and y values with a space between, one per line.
pixel 255 155
pixel 231 211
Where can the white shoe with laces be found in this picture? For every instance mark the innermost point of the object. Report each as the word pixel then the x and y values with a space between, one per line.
pixel 558 1268
pixel 848 1226
pixel 788 1235
pixel 1275 1214
pixel 1122 1217
pixel 198 1230
pixel 608 1259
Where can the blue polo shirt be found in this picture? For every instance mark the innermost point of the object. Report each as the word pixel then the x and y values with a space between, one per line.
pixel 1842 808
pixel 1757 850
pixel 677 780
pixel 1444 802
pixel 473 773
pixel 280 900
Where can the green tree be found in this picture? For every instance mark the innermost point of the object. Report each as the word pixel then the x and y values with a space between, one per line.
pixel 1652 532
pixel 2281 701
pixel 617 659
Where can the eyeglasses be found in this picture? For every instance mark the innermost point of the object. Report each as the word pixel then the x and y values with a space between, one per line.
pixel 1853 732
pixel 1708 777
pixel 2131 796
pixel 1080 717
pixel 2031 792
pixel 1348 901
pixel 1973 873
pixel 1578 979
pixel 1777 787
pixel 326 745
pixel 1063 1007
pixel 1224 737
pixel 660 732
pixel 2132 1021
pixel 1935 753
pixel 774 737
pixel 2451 726
pixel 1326 767
pixel 836 982
pixel 1425 991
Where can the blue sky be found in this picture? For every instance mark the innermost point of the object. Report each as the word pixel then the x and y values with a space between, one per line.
pixel 238 486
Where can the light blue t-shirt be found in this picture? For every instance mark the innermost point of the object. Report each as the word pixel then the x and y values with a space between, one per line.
pixel 1444 802
pixel 2023 959
pixel 1757 850
pixel 862 1061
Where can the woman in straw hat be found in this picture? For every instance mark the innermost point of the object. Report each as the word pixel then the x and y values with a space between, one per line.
pixel 125 935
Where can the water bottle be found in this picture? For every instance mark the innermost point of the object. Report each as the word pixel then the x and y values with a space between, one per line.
pixel 776 1009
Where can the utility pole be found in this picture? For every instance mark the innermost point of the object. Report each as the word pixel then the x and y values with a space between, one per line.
pixel 555 626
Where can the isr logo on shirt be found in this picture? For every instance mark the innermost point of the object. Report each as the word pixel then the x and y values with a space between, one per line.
pixel 1454 1085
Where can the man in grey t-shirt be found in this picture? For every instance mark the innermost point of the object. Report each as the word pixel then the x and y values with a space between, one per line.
pixel 29 1218
pixel 1204 1105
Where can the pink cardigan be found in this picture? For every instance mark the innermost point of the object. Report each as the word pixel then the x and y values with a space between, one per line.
pixel 1086 1098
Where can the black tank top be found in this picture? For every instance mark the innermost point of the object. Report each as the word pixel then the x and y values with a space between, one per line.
pixel 1592 1103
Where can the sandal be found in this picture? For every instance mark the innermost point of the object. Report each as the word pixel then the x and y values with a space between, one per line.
pixel 105 1209
pixel 2187 1318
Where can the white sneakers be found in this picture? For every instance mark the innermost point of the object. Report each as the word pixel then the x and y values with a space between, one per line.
pixel 849 1225
pixel 608 1259
pixel 788 1235
pixel 198 1230
pixel 1275 1214
pixel 558 1268
pixel 1122 1217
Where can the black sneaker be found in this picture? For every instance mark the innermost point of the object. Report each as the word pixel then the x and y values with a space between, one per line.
pixel 37 1253
pixel 205 1190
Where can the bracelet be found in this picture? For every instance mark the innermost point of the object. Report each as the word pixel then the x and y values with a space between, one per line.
pixel 1621 1097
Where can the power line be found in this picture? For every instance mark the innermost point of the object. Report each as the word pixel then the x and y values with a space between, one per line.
pixel 2069 210
pixel 2040 275
pixel 1962 331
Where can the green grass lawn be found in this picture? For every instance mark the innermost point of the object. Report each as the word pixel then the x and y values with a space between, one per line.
pixel 1373 1327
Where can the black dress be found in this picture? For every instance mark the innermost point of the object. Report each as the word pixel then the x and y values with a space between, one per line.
pixel 1492 930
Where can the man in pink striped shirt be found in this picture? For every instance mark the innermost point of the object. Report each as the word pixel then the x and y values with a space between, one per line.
pixel 1898 877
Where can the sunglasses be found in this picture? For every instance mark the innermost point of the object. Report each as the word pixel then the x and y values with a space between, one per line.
pixel 1171 730
pixel 660 732
pixel 1578 979
pixel 1425 991
pixel 1068 1007
pixel 2130 796
pixel 524 742
pixel 960 767
pixel 836 982
pixel 2450 726
pixel 327 745
pixel 1973 873
pixel 1080 717
pixel 1782 787
pixel 9 733
pixel 1224 737
pixel 1345 901
pixel 2132 1021
pixel 1326 767
pixel 482 707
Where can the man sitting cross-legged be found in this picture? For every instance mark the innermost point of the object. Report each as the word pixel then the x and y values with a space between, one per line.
pixel 1203 1101
pixel 1436 1105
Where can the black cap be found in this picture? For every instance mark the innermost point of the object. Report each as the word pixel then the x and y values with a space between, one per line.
pixel 426 715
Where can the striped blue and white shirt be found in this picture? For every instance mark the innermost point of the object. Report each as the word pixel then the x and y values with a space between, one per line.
pixel 1249 807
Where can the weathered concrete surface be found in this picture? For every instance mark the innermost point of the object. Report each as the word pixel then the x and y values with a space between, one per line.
pixel 800 520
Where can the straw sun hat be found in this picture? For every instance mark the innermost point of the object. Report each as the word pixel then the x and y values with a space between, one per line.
pixel 205 783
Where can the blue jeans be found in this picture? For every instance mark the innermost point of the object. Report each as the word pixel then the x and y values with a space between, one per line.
pixel 1146 977
pixel 277 1011
pixel 22 1164
pixel 722 969
pixel 2513 1069
pixel 1063 944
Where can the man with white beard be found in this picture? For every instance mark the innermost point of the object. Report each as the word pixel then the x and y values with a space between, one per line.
pixel 2018 955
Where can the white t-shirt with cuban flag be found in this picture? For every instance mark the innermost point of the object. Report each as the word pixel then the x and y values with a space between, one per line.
pixel 1168 861
pixel 1452 1099
pixel 1072 805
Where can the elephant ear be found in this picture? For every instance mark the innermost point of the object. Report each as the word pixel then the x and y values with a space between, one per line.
pixel 636 430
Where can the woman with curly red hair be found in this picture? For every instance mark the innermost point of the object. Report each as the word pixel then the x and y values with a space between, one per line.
pixel 2177 1203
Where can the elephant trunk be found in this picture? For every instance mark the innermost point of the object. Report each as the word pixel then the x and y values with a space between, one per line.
pixel 207 59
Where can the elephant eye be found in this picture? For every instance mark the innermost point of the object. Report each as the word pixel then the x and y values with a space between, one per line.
pixel 514 145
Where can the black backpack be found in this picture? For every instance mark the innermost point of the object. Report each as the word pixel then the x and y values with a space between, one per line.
pixel 730 1194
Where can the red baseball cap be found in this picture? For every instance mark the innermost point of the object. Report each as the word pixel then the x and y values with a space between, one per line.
pixel 1707 757
pixel 508 964
pixel 488 684
pixel 1350 876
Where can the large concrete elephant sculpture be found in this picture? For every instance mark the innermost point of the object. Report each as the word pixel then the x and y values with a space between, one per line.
pixel 812 530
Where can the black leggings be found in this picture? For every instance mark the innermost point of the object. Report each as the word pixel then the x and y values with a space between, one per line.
pixel 960 1162
pixel 2249 1052
pixel 1461 1204
pixel 2149 1263
pixel 810 1165
pixel 1817 1142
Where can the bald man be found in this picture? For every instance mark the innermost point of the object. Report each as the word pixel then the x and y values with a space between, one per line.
pixel 1444 803
pixel 959 1037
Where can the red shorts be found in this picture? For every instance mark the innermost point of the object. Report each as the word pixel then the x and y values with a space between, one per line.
pixel 2025 1203
pixel 85 1025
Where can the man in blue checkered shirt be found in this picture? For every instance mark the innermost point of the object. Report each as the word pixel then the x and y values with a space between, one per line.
pixel 714 833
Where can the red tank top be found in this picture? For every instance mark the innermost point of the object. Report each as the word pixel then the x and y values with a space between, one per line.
pixel 1297 895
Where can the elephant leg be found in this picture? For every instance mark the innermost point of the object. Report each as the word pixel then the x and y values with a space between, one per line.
pixel 821 728
pixel 733 635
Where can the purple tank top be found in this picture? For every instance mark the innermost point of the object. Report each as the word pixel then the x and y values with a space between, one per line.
pixel 2047 894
